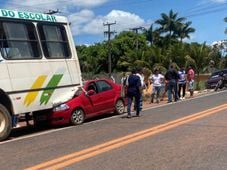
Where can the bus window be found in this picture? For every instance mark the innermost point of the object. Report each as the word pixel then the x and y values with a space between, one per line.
pixel 54 41
pixel 18 41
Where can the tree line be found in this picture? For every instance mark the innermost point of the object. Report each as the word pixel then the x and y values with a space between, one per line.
pixel 157 47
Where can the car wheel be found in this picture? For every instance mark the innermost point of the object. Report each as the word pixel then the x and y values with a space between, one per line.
pixel 77 117
pixel 119 107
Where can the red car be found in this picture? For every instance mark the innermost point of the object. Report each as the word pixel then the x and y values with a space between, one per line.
pixel 95 98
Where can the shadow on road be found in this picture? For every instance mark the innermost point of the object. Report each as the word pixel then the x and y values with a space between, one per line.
pixel 32 129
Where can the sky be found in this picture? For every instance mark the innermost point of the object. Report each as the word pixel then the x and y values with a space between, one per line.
pixel 88 17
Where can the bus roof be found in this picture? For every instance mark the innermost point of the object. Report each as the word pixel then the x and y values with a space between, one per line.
pixel 24 15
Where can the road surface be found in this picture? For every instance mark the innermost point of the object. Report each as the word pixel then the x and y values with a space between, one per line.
pixel 185 135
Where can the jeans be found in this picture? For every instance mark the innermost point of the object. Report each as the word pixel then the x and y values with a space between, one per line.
pixel 183 87
pixel 137 103
pixel 156 90
pixel 172 90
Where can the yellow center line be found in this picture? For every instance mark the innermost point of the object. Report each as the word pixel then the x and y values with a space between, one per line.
pixel 69 159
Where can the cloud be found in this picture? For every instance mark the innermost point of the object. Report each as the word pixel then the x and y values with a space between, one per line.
pixel 78 20
pixel 85 21
pixel 63 5
pixel 94 24
pixel 89 3
pixel 81 17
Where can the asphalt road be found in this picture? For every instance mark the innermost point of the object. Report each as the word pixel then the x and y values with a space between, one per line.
pixel 185 135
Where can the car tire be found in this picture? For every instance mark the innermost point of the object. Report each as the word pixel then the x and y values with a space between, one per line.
pixel 218 85
pixel 77 117
pixel 119 107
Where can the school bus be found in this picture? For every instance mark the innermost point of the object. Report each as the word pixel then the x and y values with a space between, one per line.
pixel 39 67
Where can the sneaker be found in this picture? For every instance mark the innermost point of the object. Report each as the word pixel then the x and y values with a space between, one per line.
pixel 129 116
pixel 183 98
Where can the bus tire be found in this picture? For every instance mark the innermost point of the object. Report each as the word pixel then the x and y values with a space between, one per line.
pixel 5 123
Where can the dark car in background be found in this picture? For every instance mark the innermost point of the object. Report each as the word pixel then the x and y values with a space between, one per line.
pixel 215 77
pixel 95 98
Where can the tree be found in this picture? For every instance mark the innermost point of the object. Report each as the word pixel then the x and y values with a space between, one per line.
pixel 169 24
pixel 124 52
pixel 184 30
pixel 93 58
pixel 199 53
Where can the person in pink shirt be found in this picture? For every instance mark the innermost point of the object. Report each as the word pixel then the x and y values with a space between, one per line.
pixel 190 78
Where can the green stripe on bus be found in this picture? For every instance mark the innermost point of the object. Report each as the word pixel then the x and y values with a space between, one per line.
pixel 45 97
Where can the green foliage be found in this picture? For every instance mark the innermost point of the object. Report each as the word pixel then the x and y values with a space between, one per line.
pixel 157 47
pixel 200 85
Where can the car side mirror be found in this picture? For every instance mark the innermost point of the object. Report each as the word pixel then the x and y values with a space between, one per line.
pixel 90 92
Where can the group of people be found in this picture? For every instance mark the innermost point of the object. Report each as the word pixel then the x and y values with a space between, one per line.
pixel 175 84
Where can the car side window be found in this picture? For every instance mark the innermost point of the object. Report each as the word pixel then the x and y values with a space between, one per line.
pixel 92 86
pixel 103 86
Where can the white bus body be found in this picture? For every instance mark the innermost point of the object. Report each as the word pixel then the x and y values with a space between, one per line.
pixel 39 66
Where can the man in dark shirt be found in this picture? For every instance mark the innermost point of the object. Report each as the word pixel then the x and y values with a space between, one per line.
pixel 172 76
pixel 133 91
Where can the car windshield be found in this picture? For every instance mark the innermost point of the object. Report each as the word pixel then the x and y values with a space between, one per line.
pixel 215 74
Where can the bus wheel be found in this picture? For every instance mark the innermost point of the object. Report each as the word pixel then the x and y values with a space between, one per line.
pixel 5 123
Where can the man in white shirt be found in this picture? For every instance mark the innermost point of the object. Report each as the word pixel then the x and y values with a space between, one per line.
pixel 157 80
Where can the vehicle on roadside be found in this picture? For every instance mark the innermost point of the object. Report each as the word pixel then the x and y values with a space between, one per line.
pixel 95 98
pixel 39 67
pixel 215 78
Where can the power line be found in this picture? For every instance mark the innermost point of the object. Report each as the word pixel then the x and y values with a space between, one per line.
pixel 206 12
pixel 204 5
pixel 136 30
pixel 208 9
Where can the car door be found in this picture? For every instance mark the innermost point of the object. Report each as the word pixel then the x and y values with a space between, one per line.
pixel 94 100
pixel 107 95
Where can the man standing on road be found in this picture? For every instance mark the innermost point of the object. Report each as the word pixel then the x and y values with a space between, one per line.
pixel 133 91
pixel 172 77
pixel 139 73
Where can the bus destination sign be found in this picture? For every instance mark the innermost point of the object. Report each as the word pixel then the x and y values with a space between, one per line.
pixel 27 15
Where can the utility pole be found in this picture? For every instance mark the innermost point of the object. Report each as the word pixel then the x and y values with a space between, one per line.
pixel 136 30
pixel 109 33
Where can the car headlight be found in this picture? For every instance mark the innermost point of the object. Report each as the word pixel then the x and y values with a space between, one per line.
pixel 61 107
